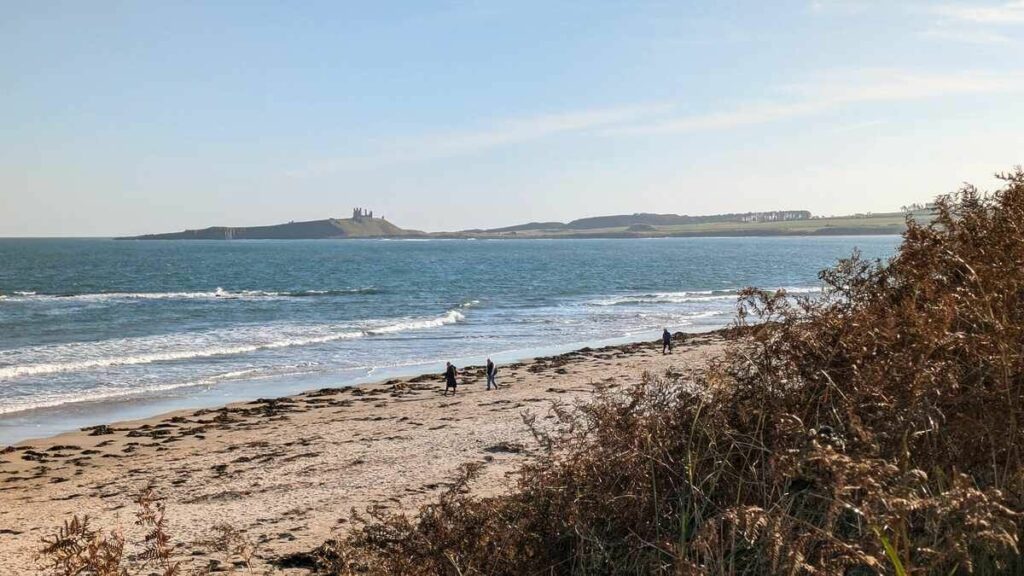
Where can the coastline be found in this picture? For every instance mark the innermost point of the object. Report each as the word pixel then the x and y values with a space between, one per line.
pixel 817 233
pixel 69 418
pixel 825 232
pixel 288 470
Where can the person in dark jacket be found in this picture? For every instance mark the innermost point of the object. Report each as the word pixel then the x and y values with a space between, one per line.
pixel 450 374
pixel 492 371
pixel 666 341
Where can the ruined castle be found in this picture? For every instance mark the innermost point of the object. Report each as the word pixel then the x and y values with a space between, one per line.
pixel 360 213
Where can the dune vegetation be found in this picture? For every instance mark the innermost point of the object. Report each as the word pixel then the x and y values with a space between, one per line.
pixel 877 428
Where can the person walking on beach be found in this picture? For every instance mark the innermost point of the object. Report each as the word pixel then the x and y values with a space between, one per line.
pixel 449 378
pixel 492 371
pixel 666 341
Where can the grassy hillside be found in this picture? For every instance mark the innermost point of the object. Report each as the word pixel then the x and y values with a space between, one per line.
pixel 315 229
pixel 632 226
pixel 888 223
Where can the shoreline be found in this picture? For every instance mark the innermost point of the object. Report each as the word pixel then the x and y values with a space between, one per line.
pixel 853 233
pixel 87 413
pixel 288 470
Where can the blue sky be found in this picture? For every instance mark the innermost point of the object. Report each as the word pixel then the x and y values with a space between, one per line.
pixel 132 117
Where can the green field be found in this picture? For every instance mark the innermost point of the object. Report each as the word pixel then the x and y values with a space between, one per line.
pixel 888 223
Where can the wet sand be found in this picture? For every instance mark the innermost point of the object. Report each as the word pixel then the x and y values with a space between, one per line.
pixel 288 471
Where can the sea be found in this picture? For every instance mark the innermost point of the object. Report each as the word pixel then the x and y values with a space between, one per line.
pixel 98 330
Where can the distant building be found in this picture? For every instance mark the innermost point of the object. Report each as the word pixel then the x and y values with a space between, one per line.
pixel 776 216
pixel 360 213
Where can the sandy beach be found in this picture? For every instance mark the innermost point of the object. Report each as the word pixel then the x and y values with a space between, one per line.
pixel 288 471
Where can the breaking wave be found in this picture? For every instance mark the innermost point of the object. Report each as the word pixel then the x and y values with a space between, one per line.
pixel 218 294
pixel 665 298
pixel 452 317
pixel 82 356
pixel 62 397
pixel 685 297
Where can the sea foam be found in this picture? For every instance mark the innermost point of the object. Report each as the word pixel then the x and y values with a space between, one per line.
pixel 217 294
pixel 684 297
pixel 83 356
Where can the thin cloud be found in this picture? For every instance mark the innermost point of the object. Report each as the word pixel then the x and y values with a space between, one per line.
pixel 501 133
pixel 746 115
pixel 885 85
pixel 1005 13
pixel 847 6
pixel 832 92
pixel 959 22
pixel 826 94
pixel 858 126
pixel 973 36
pixel 534 128
pixel 973 24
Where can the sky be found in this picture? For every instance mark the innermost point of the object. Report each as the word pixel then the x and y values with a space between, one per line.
pixel 135 117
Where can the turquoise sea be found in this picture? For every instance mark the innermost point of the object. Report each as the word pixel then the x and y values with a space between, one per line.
pixel 95 330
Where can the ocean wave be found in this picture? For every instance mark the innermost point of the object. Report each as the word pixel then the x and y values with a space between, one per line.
pixel 163 356
pixel 704 314
pixel 218 294
pixel 802 290
pixel 665 298
pixel 83 356
pixel 93 395
pixel 54 399
pixel 452 317
pixel 684 297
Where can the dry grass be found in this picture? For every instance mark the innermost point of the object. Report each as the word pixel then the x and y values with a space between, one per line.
pixel 76 549
pixel 877 429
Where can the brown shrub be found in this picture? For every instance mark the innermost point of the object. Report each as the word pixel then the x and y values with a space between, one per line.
pixel 875 429
pixel 76 549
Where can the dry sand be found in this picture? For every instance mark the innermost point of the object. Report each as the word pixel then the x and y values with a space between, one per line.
pixel 288 471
